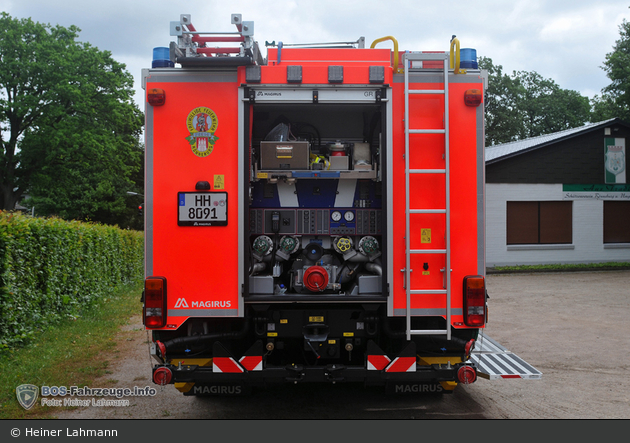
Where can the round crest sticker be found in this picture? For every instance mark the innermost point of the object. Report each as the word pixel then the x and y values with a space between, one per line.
pixel 202 122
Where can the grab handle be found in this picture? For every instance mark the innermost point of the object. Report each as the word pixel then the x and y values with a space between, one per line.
pixel 389 37
pixel 454 58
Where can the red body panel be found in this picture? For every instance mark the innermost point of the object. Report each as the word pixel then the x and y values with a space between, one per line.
pixel 199 278
pixel 428 192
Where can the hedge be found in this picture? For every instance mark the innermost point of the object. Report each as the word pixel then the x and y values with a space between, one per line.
pixel 51 269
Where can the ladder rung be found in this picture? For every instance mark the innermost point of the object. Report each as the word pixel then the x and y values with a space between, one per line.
pixel 426 91
pixel 428 331
pixel 427 291
pixel 427 211
pixel 427 131
pixel 427 171
pixel 428 251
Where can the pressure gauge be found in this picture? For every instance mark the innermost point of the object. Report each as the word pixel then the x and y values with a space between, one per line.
pixel 336 216
pixel 348 216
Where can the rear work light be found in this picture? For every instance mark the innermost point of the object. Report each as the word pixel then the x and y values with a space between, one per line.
pixel 156 96
pixel 473 97
pixel 155 302
pixel 474 301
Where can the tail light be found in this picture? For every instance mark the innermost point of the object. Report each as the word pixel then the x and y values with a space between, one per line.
pixel 474 301
pixel 155 302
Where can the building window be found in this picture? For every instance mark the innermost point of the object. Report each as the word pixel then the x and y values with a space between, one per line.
pixel 616 221
pixel 534 223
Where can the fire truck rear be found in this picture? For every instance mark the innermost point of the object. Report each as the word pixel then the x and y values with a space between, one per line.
pixel 313 216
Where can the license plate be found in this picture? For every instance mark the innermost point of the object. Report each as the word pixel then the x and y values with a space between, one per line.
pixel 202 209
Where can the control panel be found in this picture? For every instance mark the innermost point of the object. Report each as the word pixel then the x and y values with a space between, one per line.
pixel 336 221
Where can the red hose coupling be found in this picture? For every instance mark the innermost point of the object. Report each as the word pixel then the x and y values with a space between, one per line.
pixel 316 279
pixel 162 376
pixel 466 375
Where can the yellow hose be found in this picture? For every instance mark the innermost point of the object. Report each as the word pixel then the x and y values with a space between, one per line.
pixel 389 37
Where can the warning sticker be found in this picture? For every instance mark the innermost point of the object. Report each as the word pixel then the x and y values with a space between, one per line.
pixel 425 235
pixel 219 181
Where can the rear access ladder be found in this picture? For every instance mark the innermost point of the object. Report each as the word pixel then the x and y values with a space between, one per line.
pixel 408 59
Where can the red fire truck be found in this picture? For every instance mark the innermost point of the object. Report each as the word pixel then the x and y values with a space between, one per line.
pixel 315 215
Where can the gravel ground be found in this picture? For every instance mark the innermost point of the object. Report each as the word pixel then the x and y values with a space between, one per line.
pixel 571 326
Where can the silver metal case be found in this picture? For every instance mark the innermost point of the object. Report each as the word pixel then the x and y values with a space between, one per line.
pixel 284 155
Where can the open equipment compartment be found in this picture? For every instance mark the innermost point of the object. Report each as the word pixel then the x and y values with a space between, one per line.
pixel 316 228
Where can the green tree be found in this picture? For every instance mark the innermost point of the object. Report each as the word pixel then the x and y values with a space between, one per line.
pixel 549 108
pixel 615 99
pixel 504 119
pixel 70 129
pixel 525 104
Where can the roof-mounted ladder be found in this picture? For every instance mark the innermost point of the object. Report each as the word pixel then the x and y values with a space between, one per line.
pixel 408 59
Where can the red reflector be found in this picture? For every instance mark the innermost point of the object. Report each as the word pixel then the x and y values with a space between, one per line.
pixel 474 301
pixel 473 97
pixel 156 97
pixel 155 302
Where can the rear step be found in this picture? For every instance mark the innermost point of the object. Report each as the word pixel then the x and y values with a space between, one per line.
pixel 494 361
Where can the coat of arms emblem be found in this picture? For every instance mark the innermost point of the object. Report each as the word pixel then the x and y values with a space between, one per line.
pixel 202 122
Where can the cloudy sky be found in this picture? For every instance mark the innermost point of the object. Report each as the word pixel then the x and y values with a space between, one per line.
pixel 566 40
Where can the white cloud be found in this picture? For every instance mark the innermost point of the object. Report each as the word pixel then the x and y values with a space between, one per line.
pixel 566 40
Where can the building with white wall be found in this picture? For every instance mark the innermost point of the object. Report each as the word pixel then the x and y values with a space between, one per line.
pixel 559 198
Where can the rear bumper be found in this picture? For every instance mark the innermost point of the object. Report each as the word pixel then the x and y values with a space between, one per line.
pixel 405 373
pixel 332 373
pixel 197 380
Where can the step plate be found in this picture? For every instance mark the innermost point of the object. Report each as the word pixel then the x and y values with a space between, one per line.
pixel 495 362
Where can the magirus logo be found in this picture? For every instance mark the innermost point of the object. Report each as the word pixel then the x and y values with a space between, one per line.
pixel 27 395
pixel 181 303
pixel 268 94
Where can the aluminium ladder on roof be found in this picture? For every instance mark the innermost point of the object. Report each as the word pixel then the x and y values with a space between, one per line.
pixel 446 290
